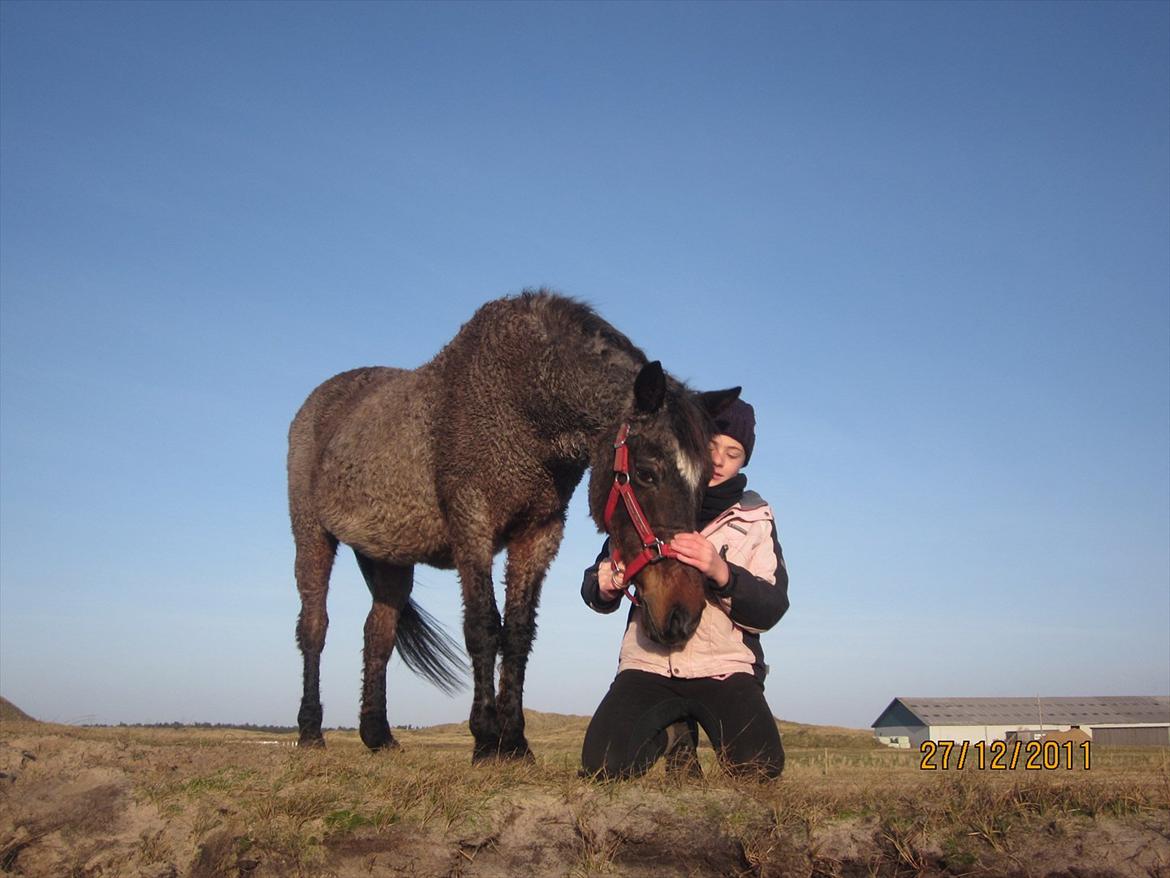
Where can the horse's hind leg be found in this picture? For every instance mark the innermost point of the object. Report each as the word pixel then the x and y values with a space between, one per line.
pixel 390 588
pixel 529 555
pixel 315 553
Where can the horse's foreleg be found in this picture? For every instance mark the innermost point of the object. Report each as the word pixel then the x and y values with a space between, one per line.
pixel 529 555
pixel 481 633
pixel 390 588
pixel 315 552
pixel 472 547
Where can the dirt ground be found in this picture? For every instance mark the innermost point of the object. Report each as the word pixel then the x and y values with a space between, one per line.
pixel 154 804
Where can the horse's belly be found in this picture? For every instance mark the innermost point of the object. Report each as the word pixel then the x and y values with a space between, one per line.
pixel 375 487
pixel 380 528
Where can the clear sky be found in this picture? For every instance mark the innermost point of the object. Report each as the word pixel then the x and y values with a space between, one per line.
pixel 929 240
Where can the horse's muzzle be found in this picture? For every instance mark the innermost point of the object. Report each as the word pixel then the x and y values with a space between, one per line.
pixel 672 596
pixel 679 627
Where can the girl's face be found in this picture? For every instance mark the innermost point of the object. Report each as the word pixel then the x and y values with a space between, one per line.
pixel 727 455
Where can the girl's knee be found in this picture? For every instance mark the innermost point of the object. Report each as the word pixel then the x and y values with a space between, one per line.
pixel 764 764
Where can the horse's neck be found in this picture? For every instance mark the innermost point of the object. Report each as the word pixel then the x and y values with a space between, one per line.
pixel 587 399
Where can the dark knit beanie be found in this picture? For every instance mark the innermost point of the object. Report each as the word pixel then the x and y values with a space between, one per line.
pixel 738 421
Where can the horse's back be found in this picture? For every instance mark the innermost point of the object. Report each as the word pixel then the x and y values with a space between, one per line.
pixel 325 409
pixel 360 464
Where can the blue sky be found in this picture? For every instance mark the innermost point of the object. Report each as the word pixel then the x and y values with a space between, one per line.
pixel 929 240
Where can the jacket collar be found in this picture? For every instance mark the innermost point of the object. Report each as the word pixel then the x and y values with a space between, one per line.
pixel 752 507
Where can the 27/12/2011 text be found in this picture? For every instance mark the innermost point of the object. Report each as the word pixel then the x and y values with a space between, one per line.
pixel 1001 756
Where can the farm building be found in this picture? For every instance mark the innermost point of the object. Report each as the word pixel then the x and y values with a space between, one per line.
pixel 1118 720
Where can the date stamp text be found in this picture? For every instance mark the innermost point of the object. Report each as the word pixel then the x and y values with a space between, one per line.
pixel 1002 756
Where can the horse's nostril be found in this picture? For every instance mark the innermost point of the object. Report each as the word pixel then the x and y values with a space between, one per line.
pixel 676 626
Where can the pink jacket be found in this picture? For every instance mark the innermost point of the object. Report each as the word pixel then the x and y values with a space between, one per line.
pixel 727 639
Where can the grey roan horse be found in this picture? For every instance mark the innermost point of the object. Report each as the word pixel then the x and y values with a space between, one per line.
pixel 478 450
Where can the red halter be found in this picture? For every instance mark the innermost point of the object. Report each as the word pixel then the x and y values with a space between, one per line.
pixel 653 549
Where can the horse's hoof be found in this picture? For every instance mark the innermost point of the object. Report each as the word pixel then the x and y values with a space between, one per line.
pixel 375 734
pixel 684 766
pixel 385 747
pixel 316 741
pixel 503 753
pixel 683 762
pixel 484 754
pixel 376 746
pixel 525 755
pixel 517 752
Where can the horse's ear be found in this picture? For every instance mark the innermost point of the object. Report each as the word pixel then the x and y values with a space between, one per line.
pixel 715 401
pixel 650 388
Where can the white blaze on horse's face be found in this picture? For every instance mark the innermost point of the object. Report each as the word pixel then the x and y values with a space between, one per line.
pixel 690 469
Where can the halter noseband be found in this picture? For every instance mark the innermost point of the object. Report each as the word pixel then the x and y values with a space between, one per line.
pixel 653 549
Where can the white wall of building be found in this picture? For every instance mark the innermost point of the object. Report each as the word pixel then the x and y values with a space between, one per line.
pixel 900 737
pixel 911 737
pixel 986 734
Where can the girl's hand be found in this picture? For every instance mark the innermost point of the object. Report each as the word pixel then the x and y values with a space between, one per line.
pixel 610 579
pixel 696 550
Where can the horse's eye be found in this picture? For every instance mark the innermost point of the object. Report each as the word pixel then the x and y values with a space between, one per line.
pixel 645 475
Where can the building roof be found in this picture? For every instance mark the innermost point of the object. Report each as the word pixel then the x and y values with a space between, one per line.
pixel 1088 710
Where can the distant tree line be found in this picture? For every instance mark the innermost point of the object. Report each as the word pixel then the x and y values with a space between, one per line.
pixel 244 727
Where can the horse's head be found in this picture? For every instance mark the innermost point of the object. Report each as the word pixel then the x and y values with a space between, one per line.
pixel 667 465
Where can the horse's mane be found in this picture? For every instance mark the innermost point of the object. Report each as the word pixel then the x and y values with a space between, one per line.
pixel 563 312
pixel 690 422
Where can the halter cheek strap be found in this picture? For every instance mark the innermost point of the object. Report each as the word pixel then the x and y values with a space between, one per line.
pixel 653 549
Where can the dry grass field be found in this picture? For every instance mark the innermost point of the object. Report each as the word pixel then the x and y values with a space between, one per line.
pixel 156 803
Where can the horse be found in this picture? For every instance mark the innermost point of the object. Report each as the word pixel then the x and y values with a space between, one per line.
pixel 479 450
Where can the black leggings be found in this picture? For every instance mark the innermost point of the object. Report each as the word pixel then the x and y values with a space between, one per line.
pixel 628 731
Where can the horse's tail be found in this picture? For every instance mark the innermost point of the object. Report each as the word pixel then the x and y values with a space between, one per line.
pixel 428 650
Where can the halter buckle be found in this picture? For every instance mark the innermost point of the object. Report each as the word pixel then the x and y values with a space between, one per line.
pixel 657 546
